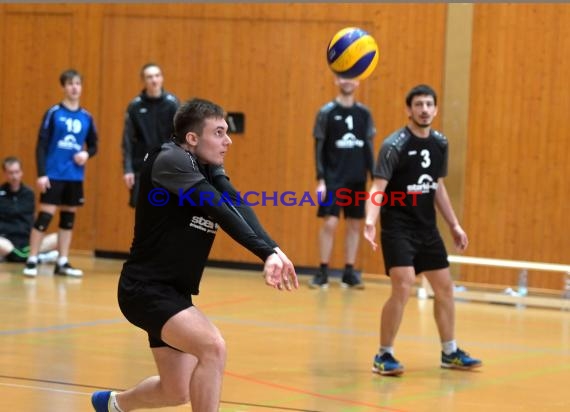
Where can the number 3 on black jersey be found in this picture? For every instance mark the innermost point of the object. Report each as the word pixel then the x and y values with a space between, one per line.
pixel 427 161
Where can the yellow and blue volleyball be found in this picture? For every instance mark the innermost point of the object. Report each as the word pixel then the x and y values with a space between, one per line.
pixel 352 53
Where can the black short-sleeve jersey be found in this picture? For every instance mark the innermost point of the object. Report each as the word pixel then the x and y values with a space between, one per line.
pixel 412 166
pixel 346 153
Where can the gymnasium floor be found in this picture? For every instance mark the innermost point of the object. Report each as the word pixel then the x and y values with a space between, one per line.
pixel 310 350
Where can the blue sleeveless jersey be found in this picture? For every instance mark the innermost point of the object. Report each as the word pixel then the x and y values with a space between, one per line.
pixel 66 132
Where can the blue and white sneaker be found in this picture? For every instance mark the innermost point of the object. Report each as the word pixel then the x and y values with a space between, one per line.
pixel 387 365
pixel 459 360
pixel 100 401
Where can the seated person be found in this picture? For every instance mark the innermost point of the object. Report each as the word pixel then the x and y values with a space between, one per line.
pixel 17 217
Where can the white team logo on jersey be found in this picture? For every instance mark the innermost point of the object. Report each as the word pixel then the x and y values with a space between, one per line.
pixel 69 143
pixel 424 185
pixel 349 141
pixel 203 224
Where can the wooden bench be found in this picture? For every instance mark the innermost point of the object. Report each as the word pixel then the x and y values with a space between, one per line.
pixel 518 296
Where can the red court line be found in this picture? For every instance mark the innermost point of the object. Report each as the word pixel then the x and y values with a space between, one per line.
pixel 314 394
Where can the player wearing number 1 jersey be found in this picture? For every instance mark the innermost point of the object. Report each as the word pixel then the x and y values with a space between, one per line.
pixel 67 139
pixel 343 133
pixel 413 160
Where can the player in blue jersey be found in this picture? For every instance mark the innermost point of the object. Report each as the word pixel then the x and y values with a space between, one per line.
pixel 67 140
pixel 413 161
pixel 344 158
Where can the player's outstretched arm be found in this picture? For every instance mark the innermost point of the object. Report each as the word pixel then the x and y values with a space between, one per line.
pixel 223 185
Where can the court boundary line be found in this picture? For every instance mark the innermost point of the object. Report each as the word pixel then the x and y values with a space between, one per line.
pixel 282 408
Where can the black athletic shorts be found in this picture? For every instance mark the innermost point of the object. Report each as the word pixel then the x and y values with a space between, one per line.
pixel 149 305
pixel 64 192
pixel 345 199
pixel 422 249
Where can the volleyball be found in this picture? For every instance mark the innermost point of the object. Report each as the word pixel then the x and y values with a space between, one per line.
pixel 352 53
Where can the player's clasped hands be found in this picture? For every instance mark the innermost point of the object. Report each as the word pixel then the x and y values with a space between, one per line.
pixel 279 272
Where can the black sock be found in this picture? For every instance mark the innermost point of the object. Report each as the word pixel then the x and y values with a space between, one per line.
pixel 324 267
pixel 348 268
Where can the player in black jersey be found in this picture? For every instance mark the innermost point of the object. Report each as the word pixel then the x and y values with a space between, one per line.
pixel 413 161
pixel 171 244
pixel 148 123
pixel 343 133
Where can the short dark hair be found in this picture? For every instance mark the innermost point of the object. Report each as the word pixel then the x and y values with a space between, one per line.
pixel 191 115
pixel 147 65
pixel 420 90
pixel 68 75
pixel 10 160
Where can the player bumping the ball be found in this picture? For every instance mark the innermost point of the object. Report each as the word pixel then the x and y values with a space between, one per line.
pixel 167 257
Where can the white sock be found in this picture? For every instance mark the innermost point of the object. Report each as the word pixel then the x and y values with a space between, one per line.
pixel 386 349
pixel 113 404
pixel 32 259
pixel 48 257
pixel 62 260
pixel 449 347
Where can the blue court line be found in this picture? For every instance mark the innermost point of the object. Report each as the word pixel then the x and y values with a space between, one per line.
pixel 61 327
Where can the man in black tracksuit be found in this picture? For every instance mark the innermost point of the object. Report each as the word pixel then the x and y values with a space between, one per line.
pixel 148 124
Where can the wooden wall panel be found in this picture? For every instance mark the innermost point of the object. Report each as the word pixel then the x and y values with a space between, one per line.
pixel 267 60
pixel 264 59
pixel 38 43
pixel 34 70
pixel 258 59
pixel 516 204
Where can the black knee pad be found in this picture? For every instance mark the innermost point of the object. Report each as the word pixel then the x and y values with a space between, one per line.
pixel 42 221
pixel 66 220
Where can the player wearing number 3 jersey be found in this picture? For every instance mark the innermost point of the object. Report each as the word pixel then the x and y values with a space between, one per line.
pixel 414 160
